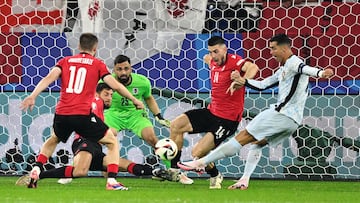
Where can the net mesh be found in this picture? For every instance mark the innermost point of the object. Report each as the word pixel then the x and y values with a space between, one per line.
pixel 166 40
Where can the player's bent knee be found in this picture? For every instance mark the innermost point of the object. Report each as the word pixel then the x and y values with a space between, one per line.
pixel 80 172
pixel 174 125
pixel 114 131
pixel 109 138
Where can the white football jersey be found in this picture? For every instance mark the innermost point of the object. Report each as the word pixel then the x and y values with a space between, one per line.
pixel 292 79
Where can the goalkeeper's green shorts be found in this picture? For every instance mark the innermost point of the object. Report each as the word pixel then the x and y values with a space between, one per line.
pixel 135 123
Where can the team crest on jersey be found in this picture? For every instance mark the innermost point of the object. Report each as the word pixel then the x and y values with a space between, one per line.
pixel 283 75
pixel 135 90
pixel 93 106
pixel 93 119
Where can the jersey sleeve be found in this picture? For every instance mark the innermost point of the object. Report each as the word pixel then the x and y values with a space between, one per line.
pixel 239 62
pixel 236 61
pixel 147 91
pixel 103 70
pixel 308 70
pixel 299 66
pixel 60 63
pixel 267 83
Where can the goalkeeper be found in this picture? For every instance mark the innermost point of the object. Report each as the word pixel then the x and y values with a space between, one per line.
pixel 122 115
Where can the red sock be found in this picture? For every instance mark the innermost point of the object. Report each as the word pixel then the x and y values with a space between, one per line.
pixel 112 168
pixel 68 171
pixel 130 168
pixel 42 159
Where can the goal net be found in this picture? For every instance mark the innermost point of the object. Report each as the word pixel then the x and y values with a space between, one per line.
pixel 166 40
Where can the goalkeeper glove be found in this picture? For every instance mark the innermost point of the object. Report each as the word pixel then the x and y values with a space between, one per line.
pixel 161 120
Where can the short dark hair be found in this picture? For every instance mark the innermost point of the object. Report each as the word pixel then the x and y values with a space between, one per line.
pixel 101 86
pixel 216 40
pixel 88 41
pixel 121 58
pixel 281 39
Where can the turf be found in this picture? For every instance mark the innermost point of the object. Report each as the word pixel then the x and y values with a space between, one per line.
pixel 144 190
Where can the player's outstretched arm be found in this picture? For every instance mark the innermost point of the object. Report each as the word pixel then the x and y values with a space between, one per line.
pixel 327 73
pixel 121 89
pixel 151 103
pixel 29 102
pixel 313 71
pixel 154 108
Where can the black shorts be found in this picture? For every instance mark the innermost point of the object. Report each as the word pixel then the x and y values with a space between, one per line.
pixel 90 127
pixel 94 149
pixel 203 121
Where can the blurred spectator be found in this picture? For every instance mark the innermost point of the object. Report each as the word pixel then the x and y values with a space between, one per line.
pixel 84 16
pixel 72 12
pixel 289 3
pixel 286 3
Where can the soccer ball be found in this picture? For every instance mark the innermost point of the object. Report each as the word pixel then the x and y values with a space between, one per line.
pixel 166 149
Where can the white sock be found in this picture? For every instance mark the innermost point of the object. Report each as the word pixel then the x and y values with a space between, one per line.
pixel 227 149
pixel 37 169
pixel 252 160
pixel 111 180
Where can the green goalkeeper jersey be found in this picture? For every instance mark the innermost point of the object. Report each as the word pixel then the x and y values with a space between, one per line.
pixel 140 87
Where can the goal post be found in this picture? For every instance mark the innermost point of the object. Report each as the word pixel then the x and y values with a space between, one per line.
pixel 166 41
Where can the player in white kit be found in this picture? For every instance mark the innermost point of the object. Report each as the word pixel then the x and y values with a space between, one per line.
pixel 281 119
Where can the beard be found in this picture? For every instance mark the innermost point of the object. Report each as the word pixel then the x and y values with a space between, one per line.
pixel 124 79
pixel 220 61
pixel 107 106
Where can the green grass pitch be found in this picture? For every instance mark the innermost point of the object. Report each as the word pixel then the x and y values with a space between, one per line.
pixel 144 190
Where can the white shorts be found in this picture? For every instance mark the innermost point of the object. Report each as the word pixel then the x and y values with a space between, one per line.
pixel 271 126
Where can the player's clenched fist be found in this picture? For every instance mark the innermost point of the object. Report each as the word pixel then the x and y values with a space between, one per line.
pixel 235 75
pixel 236 84
pixel 327 73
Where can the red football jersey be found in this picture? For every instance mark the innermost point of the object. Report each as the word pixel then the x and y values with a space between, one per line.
pixel 97 107
pixel 223 104
pixel 79 77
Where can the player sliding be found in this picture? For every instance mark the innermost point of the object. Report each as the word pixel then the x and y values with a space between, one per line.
pixel 79 77
pixel 88 155
pixel 280 120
